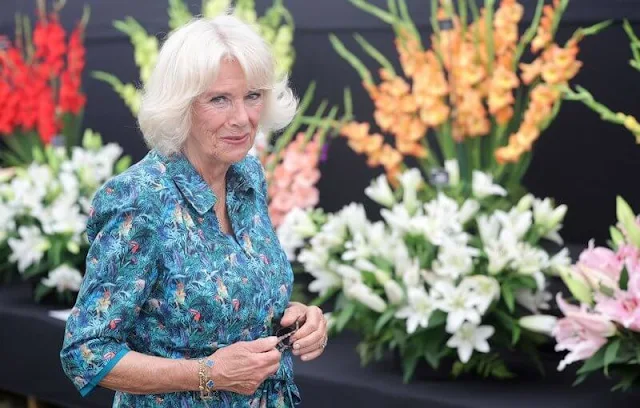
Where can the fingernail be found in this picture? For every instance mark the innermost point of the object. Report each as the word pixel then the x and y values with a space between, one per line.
pixel 296 346
pixel 305 358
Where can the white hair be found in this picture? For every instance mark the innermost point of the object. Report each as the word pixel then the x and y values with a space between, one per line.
pixel 187 65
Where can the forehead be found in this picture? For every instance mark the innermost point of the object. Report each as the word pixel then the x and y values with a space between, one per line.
pixel 231 79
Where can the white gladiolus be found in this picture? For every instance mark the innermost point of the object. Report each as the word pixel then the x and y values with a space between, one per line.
pixel 380 192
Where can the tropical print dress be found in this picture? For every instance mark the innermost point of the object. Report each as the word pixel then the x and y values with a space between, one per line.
pixel 162 279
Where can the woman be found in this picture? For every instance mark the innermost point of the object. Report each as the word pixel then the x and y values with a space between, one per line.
pixel 186 284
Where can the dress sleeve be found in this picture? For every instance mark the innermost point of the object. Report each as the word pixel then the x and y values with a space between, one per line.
pixel 121 268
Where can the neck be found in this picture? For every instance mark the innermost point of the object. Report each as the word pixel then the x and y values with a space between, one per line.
pixel 214 174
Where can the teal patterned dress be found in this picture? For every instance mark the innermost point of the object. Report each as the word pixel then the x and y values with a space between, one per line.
pixel 162 279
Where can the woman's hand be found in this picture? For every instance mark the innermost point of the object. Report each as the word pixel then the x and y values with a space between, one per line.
pixel 243 366
pixel 309 341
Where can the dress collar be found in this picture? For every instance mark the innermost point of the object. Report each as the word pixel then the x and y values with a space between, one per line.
pixel 193 187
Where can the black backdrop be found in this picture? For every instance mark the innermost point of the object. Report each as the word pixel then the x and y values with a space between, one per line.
pixel 580 160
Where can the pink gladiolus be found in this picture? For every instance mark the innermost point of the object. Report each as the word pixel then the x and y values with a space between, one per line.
pixel 581 332
pixel 292 184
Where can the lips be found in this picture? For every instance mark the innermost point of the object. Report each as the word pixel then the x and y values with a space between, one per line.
pixel 236 139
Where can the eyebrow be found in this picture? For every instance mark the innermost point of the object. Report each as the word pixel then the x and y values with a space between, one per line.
pixel 211 93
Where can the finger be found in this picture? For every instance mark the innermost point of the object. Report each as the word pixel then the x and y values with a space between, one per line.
pixel 271 357
pixel 291 314
pixel 312 355
pixel 314 320
pixel 263 345
pixel 311 342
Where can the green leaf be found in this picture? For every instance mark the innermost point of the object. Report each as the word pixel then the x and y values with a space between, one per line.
pixel 627 218
pixel 515 335
pixel 610 355
pixel 41 291
pixel 348 56
pixel 122 164
pixel 383 320
pixel 507 295
pixel 616 236
pixel 457 369
pixel 409 367
pixel 580 379
pixel 438 318
pixel 624 279
pixel 345 315
pixel 594 363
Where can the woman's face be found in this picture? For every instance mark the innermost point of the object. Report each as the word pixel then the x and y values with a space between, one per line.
pixel 225 118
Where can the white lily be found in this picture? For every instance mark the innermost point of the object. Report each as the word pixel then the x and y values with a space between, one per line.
pixel 471 337
pixel 380 192
pixel 418 311
pixel 29 248
pixel 515 222
pixel 400 220
pixel 454 261
pixel 525 203
pixel 559 261
pixel 533 301
pixel 547 217
pixel 499 256
pixel 489 228
pixel 356 248
pixel 459 304
pixel 468 211
pixel 482 185
pixel 529 260
pixel 539 323
pixel 394 291
pixel 486 289
pixel 63 278
pixel 363 294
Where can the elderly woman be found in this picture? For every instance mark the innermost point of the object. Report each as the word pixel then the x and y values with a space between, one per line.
pixel 186 286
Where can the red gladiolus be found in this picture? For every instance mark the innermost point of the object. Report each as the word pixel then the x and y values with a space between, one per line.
pixel 37 89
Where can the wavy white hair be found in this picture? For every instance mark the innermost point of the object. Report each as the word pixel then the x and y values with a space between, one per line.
pixel 187 65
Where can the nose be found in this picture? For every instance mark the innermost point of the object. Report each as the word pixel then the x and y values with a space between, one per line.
pixel 239 115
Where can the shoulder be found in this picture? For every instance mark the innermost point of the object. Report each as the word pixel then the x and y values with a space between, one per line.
pixel 132 192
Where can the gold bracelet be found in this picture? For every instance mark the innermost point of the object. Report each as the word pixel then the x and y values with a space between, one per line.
pixel 206 383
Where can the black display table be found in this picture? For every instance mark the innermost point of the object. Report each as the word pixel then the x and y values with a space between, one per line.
pixel 30 341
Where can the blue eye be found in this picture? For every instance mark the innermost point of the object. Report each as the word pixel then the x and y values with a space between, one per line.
pixel 254 96
pixel 219 100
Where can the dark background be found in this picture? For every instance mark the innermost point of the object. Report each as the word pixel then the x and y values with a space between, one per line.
pixel 580 160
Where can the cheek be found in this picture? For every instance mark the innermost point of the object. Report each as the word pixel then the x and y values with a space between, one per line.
pixel 255 114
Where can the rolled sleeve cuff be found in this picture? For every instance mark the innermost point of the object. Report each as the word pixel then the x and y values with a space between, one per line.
pixel 84 391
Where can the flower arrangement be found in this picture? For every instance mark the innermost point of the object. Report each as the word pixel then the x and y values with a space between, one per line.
pixel 43 211
pixel 468 97
pixel 41 94
pixel 276 26
pixel 445 276
pixel 603 332
pixel 583 95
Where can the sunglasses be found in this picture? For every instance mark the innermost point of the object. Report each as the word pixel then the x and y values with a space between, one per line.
pixel 284 336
